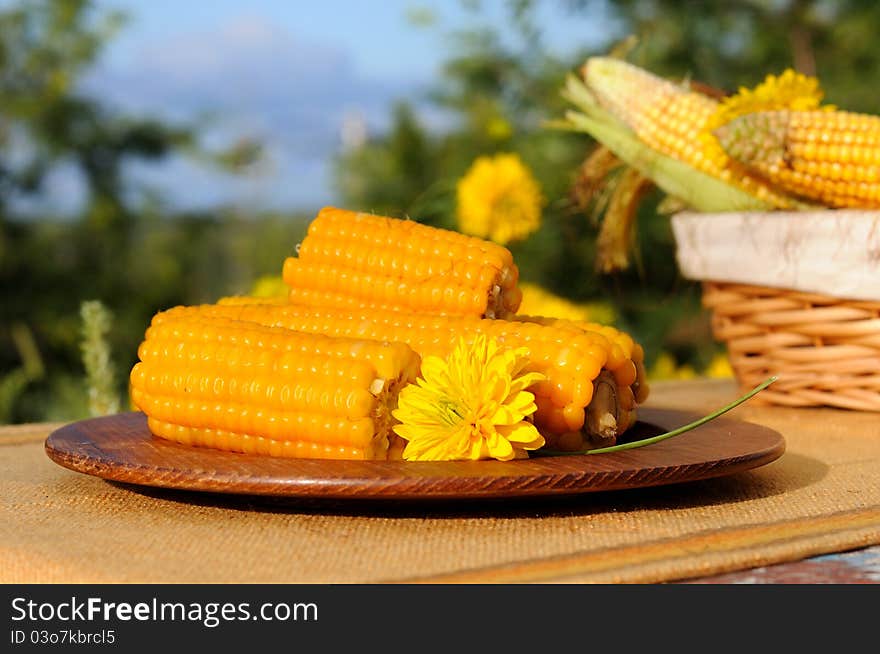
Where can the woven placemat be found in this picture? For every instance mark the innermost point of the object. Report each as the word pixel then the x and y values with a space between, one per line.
pixel 822 495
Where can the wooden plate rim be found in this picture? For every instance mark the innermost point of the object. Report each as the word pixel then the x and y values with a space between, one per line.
pixel 121 448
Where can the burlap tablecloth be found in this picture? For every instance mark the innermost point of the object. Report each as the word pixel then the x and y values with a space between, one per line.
pixel 822 495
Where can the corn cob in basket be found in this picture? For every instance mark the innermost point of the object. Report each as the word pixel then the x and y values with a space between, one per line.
pixel 829 156
pixel 777 142
pixel 595 374
pixel 236 386
pixel 673 120
pixel 356 260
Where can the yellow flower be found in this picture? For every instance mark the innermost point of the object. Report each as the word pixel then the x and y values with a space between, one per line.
pixel 666 367
pixel 719 367
pixel 538 301
pixel 269 286
pixel 473 405
pixel 499 199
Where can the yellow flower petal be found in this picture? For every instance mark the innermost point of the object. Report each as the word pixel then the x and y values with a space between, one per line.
pixel 522 403
pixel 499 447
pixel 523 434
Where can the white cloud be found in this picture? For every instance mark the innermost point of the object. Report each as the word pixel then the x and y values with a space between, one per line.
pixel 250 78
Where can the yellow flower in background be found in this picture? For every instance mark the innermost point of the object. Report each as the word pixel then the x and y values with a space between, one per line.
pixel 538 301
pixel 269 286
pixel 472 405
pixel 719 367
pixel 499 199
pixel 666 367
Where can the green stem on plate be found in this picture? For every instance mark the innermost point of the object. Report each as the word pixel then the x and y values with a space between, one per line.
pixel 662 437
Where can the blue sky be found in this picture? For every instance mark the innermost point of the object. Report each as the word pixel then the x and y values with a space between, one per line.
pixel 288 73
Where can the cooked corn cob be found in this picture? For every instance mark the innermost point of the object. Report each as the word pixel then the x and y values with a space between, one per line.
pixel 244 387
pixel 358 260
pixel 831 156
pixel 594 374
pixel 671 118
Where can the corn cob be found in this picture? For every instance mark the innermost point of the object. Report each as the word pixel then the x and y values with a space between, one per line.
pixel 237 386
pixel 358 260
pixel 670 118
pixel 594 374
pixel 830 156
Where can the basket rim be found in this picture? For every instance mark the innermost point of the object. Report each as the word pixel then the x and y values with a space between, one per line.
pixel 834 252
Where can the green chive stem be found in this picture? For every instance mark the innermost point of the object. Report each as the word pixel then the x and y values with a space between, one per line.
pixel 662 437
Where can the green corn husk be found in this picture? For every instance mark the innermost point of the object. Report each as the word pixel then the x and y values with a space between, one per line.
pixel 693 188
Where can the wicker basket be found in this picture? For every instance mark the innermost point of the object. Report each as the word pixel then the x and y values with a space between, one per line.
pixel 773 284
pixel 825 351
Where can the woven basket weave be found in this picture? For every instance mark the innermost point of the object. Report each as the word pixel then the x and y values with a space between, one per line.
pixel 824 350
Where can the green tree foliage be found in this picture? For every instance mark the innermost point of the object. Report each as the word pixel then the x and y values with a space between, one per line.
pixel 122 248
pixel 45 46
pixel 402 168
pixel 730 43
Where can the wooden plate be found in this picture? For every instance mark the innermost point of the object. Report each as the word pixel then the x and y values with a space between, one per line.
pixel 121 448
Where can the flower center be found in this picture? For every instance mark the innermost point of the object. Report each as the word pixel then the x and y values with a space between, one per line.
pixel 450 412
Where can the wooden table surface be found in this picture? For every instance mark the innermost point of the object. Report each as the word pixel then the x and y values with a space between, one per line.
pixel 856 567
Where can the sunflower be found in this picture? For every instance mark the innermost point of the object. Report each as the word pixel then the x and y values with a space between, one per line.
pixel 498 198
pixel 472 405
